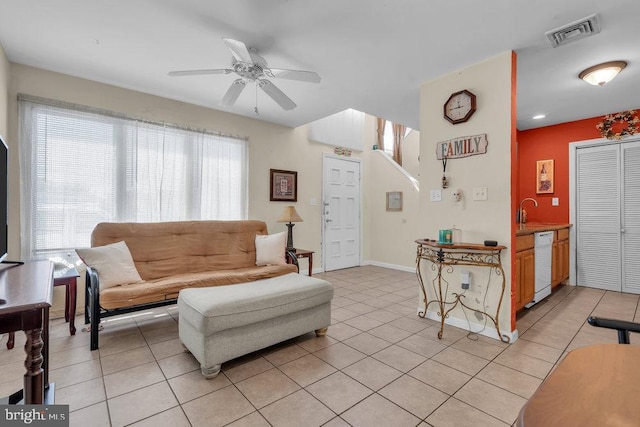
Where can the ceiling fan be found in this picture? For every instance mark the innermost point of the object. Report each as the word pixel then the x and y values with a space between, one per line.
pixel 251 67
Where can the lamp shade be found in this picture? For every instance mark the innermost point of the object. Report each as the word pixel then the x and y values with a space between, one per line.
pixel 602 73
pixel 289 214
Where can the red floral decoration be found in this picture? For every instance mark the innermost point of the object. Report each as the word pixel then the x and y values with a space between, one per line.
pixel 626 117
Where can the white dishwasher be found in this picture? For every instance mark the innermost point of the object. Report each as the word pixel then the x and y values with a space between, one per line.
pixel 542 246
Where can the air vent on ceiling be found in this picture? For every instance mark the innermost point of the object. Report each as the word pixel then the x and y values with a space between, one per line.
pixel 574 31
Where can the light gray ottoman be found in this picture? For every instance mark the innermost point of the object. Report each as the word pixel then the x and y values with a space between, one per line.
pixel 220 323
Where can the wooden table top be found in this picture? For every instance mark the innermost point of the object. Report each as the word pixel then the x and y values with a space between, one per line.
pixel 26 287
pixel 595 385
pixel 463 246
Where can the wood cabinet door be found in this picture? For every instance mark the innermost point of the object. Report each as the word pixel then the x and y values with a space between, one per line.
pixel 563 249
pixel 556 264
pixel 528 272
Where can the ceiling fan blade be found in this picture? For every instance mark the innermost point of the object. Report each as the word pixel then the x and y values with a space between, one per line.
pixel 199 72
pixel 303 76
pixel 238 50
pixel 277 95
pixel 233 92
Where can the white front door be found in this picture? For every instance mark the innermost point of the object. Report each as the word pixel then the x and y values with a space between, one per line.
pixel 341 212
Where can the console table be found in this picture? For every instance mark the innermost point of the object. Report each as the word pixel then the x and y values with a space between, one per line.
pixel 27 291
pixel 444 258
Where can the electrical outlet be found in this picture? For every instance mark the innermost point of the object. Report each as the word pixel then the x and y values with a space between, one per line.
pixel 436 195
pixel 480 193
pixel 465 278
pixel 555 201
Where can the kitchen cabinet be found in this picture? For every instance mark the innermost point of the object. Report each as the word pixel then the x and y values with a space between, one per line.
pixel 524 262
pixel 560 257
pixel 524 266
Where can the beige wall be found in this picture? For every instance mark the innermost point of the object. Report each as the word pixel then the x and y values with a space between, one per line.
pixel 411 154
pixel 4 89
pixel 490 81
pixel 390 235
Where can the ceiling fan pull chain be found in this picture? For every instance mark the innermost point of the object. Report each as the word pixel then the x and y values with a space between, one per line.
pixel 256 107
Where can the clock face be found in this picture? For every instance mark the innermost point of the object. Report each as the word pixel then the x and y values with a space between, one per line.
pixel 460 107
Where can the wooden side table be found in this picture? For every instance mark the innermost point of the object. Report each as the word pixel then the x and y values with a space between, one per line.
pixel 67 277
pixel 303 253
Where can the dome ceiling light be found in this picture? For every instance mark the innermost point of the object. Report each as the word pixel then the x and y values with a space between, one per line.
pixel 602 73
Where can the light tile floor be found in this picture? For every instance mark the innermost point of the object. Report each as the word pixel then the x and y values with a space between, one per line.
pixel 379 365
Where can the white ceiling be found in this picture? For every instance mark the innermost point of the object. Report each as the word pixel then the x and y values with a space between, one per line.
pixel 372 55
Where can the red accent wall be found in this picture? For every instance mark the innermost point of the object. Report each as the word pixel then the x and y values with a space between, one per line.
pixel 550 142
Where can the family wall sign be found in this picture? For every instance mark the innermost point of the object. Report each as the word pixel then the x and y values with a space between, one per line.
pixel 463 146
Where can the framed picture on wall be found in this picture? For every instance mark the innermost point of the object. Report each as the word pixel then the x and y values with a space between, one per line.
pixel 394 201
pixel 544 176
pixel 284 186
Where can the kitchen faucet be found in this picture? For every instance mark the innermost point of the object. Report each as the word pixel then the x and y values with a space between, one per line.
pixel 524 200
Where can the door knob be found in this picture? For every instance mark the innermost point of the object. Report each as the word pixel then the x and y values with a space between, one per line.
pixel 622 231
pixel 328 220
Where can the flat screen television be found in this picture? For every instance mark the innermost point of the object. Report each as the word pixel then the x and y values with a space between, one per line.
pixel 4 202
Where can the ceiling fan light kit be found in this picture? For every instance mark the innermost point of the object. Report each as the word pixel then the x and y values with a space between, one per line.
pixel 603 73
pixel 251 67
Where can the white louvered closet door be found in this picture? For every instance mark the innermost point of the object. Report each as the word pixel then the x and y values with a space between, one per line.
pixel 631 217
pixel 598 249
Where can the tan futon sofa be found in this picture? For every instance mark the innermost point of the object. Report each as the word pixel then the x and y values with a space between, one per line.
pixel 171 256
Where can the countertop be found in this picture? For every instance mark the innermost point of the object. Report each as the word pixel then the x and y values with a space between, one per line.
pixel 533 227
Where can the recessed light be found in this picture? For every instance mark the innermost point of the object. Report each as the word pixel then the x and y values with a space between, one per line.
pixel 539 116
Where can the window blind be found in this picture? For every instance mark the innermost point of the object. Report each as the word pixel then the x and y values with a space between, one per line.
pixel 80 167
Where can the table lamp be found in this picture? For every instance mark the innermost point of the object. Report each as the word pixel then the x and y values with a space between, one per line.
pixel 289 215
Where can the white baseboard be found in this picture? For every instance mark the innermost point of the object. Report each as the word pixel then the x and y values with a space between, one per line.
pixel 374 263
pixel 487 331
pixel 391 266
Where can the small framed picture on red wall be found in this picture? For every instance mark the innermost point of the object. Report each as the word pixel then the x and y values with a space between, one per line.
pixel 544 176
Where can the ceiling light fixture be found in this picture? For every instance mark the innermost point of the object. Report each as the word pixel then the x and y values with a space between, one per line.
pixel 602 73
pixel 538 116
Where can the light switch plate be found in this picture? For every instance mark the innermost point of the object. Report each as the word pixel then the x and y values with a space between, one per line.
pixel 480 193
pixel 555 201
pixel 436 195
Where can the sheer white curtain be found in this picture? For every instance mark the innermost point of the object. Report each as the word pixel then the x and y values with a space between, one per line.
pixel 81 166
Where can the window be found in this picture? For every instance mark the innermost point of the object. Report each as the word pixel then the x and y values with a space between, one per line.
pixel 81 167
pixel 388 136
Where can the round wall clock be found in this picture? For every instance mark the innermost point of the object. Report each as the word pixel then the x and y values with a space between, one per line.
pixel 460 107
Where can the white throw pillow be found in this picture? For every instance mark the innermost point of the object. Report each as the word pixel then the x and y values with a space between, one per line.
pixel 270 249
pixel 113 262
